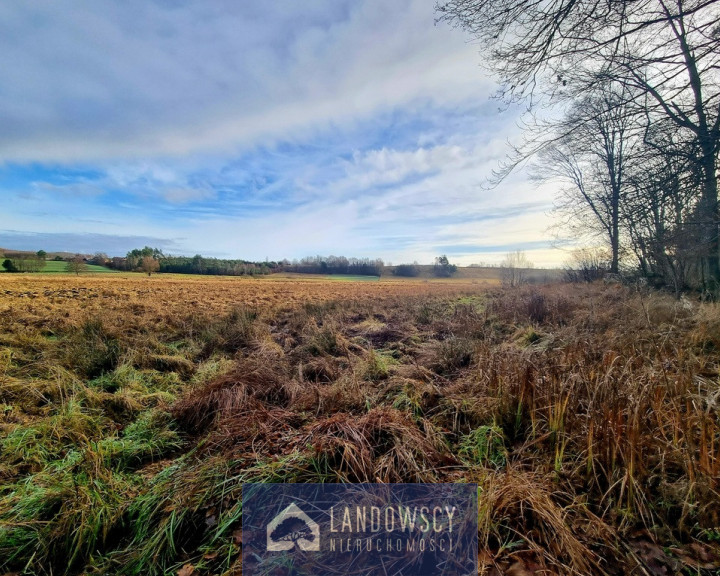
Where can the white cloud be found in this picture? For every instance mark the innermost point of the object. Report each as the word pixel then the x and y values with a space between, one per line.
pixel 74 189
pixel 187 109
pixel 183 195
pixel 109 80
pixel 387 166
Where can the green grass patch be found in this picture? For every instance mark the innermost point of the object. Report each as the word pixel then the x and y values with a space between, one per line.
pixel 485 445
pixel 150 437
pixel 377 365
pixel 60 516
pixel 53 267
pixel 56 267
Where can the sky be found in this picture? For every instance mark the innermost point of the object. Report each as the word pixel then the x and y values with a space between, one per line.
pixel 257 130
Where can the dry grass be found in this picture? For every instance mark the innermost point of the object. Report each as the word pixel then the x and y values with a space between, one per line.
pixel 132 409
pixel 384 445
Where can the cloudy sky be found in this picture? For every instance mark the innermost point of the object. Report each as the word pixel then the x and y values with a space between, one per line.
pixel 256 130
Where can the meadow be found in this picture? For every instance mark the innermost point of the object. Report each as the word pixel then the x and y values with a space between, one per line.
pixel 60 267
pixel 133 408
pixel 55 267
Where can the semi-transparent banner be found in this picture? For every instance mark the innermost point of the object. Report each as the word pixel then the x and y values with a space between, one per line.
pixel 360 529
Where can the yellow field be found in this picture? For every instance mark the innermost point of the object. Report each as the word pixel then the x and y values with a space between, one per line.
pixel 40 298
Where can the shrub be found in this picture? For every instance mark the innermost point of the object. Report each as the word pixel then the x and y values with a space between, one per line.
pixel 406 270
pixel 9 265
pixel 587 265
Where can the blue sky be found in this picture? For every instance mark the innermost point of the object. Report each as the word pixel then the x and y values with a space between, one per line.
pixel 256 130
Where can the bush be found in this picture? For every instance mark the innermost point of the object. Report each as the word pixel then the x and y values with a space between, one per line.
pixel 407 270
pixel 9 266
pixel 587 265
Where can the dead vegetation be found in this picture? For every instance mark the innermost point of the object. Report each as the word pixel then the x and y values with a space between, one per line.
pixel 588 416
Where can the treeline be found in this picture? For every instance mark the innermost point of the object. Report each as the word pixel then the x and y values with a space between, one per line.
pixel 154 260
pixel 407 270
pixel 151 260
pixel 214 266
pixel 441 269
pixel 335 265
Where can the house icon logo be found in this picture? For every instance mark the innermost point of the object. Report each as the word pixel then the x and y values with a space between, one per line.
pixel 293 528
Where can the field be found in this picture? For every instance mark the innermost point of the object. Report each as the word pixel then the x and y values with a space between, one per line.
pixel 133 408
pixel 55 267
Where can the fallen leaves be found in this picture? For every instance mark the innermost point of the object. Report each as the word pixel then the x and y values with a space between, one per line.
pixel 187 570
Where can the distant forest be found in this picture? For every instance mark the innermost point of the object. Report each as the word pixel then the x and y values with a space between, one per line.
pixel 336 265
pixel 152 260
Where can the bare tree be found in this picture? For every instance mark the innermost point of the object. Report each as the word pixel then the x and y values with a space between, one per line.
pixel 99 259
pixel 587 265
pixel 148 264
pixel 76 265
pixel 661 214
pixel 514 269
pixel 600 133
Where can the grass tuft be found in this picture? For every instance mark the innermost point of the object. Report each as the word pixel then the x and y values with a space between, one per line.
pixel 485 446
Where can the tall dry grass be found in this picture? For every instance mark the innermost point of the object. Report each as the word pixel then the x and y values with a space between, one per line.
pixel 588 416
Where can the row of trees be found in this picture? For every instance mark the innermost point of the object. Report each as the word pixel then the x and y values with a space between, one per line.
pixel 28 262
pixel 407 270
pixel 24 261
pixel 214 266
pixel 336 265
pixel 635 132
pixel 441 269
pixel 151 260
pixel 513 269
